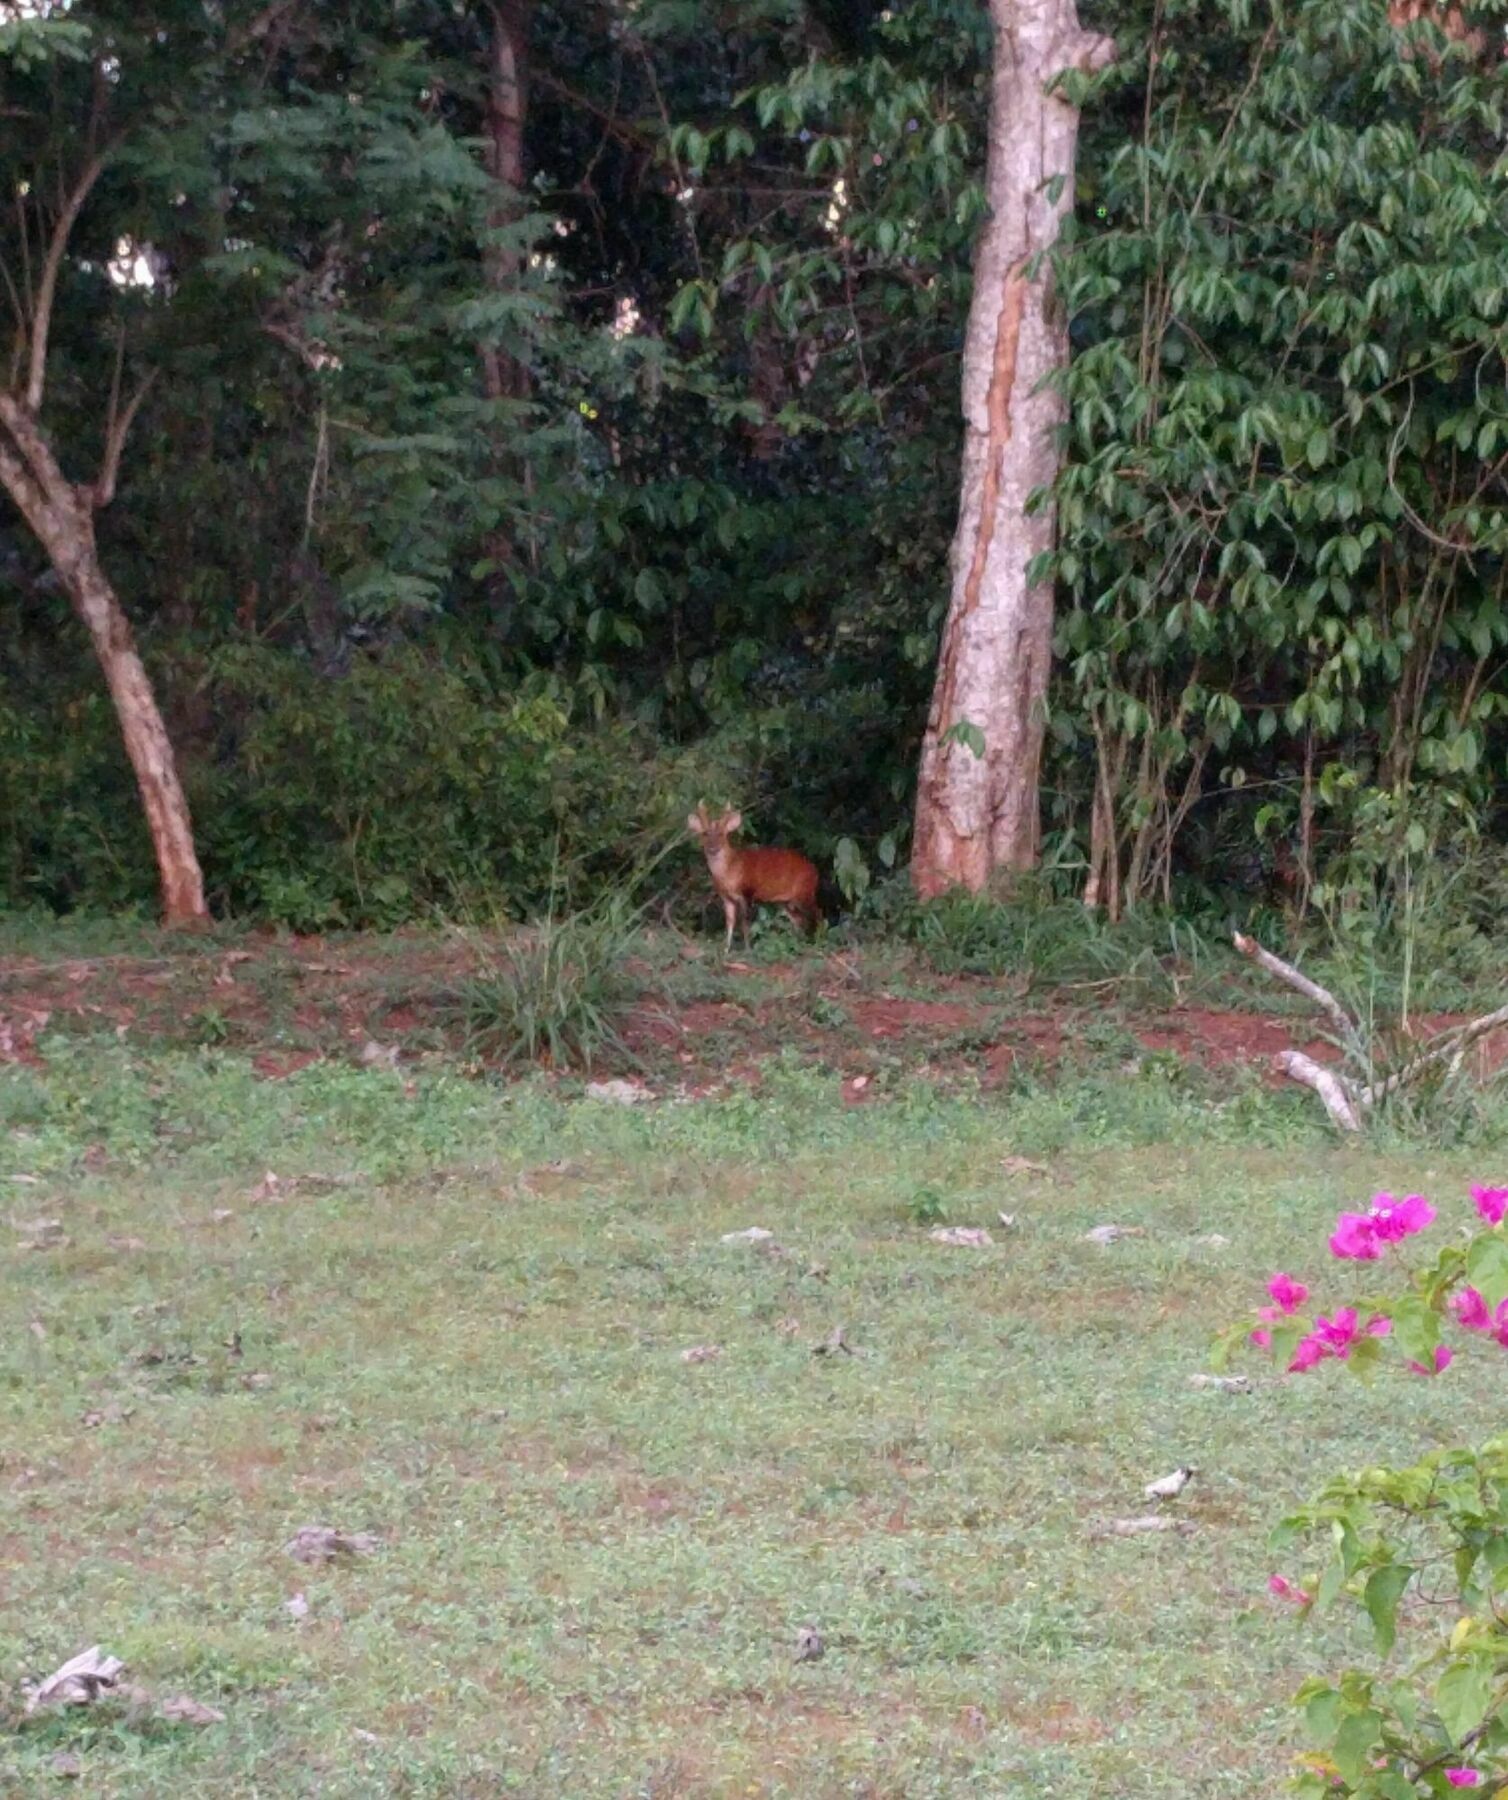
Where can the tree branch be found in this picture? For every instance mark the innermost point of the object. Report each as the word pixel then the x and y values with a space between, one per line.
pixel 1300 983
pixel 1334 1094
pixel 35 451
pixel 116 431
pixel 1451 1047
pixel 36 377
pixel 18 482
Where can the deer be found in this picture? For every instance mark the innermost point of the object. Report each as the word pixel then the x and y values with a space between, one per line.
pixel 775 877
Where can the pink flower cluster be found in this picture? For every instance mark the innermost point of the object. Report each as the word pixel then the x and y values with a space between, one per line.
pixel 1335 1337
pixel 1364 1237
pixel 1464 1777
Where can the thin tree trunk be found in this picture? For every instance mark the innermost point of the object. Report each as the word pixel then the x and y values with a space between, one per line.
pixel 979 814
pixel 505 377
pixel 62 517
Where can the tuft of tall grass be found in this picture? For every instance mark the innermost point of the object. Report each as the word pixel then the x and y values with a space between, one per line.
pixel 555 993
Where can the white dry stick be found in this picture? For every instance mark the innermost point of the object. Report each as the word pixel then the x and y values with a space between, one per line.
pixel 1299 982
pixel 1450 1048
pixel 1335 1095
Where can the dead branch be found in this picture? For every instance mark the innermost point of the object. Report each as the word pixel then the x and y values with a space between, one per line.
pixel 1334 1092
pixel 117 430
pixel 1449 1049
pixel 1299 982
pixel 41 323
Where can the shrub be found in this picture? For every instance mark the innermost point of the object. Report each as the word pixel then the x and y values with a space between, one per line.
pixel 1393 1541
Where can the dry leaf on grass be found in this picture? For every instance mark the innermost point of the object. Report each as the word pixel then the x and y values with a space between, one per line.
pixel 618 1092
pixel 80 1680
pixel 126 1244
pixel 702 1353
pixel 754 1234
pixel 41 1234
pixel 324 1543
pixel 113 1414
pixel 834 1344
pixel 65 1765
pixel 1110 1234
pixel 1020 1165
pixel 296 1606
pixel 809 1644
pixel 183 1709
pixel 1222 1384
pixel 1141 1527
pixel 963 1237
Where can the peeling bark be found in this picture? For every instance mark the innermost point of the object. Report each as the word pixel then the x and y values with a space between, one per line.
pixel 979 815
pixel 61 515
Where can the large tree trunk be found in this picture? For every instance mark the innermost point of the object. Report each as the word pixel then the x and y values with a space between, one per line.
pixel 978 813
pixel 62 517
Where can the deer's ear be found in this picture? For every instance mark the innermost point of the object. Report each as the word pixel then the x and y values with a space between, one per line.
pixel 732 821
pixel 695 824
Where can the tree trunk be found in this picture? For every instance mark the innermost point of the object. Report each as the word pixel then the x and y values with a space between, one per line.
pixel 976 814
pixel 505 376
pixel 62 517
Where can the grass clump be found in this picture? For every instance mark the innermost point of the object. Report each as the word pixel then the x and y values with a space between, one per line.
pixel 556 994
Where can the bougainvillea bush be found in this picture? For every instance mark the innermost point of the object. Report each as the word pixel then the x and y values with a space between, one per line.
pixel 1422 1551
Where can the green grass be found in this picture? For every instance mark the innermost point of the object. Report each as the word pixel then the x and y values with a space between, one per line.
pixel 467 1338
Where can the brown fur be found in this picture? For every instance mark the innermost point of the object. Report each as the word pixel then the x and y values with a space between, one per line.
pixel 742 877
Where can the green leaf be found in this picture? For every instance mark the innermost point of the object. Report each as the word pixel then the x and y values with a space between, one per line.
pixel 1383 1591
pixel 1487 1267
pixel 1355 1743
pixel 967 733
pixel 1461 1697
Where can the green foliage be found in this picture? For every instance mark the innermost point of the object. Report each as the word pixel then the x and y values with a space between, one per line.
pixel 1283 521
pixel 1419 1550
pixel 400 789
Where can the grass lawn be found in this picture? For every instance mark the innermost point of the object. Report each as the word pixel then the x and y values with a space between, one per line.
pixel 458 1321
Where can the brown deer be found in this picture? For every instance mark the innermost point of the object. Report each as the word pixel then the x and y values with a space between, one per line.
pixel 776 877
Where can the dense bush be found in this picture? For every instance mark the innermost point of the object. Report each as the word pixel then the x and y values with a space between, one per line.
pixel 397 789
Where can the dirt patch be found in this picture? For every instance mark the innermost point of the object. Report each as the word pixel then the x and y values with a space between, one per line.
pixel 288 1003
pixel 278 1065
pixel 887 1018
pixel 1222 1037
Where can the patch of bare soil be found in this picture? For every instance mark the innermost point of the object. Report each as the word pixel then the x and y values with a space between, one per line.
pixel 288 1002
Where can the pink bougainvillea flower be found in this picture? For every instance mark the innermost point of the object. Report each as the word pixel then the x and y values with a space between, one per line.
pixel 1339 1333
pixel 1262 1338
pixel 1284 1589
pixel 1491 1203
pixel 1288 1294
pixel 1361 1237
pixel 1309 1351
pixel 1471 1309
pixel 1394 1220
pixel 1444 1356
pixel 1355 1238
pixel 1464 1777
